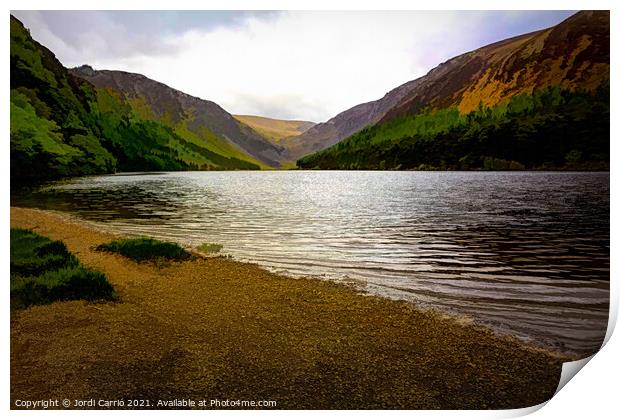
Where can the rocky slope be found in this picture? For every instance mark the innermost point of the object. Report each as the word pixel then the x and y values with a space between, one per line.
pixel 323 135
pixel 572 54
pixel 155 100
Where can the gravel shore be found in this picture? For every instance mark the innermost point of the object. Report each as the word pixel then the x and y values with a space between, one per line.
pixel 215 328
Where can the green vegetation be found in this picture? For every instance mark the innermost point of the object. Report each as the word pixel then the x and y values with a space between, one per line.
pixel 143 249
pixel 143 145
pixel 551 128
pixel 210 248
pixel 44 271
pixel 206 139
pixel 50 133
pixel 63 126
pixel 32 254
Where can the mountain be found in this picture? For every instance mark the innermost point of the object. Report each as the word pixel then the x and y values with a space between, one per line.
pixel 50 132
pixel 550 129
pixel 280 133
pixel 539 100
pixel 198 118
pixel 325 134
pixel 573 54
pixel 62 125
pixel 273 129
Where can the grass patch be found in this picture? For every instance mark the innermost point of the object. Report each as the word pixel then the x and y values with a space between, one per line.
pixel 144 249
pixel 210 248
pixel 32 254
pixel 44 271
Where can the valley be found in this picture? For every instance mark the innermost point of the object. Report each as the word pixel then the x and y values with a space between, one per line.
pixel 538 101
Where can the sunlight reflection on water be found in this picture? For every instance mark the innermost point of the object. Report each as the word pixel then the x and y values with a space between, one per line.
pixel 526 253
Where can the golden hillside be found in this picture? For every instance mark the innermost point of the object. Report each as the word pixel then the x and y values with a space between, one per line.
pixel 273 129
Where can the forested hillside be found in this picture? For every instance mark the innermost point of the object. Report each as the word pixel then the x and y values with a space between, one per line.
pixel 64 126
pixel 552 128
pixel 197 120
pixel 573 54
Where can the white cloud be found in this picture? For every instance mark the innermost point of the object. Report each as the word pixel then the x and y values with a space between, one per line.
pixel 306 65
pixel 302 65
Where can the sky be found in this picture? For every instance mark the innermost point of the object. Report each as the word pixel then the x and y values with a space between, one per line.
pixel 281 64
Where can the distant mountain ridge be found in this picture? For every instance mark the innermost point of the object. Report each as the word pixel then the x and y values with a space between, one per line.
pixel 155 100
pixel 325 134
pixel 274 129
pixel 572 54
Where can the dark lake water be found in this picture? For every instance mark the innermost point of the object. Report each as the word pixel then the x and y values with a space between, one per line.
pixel 525 253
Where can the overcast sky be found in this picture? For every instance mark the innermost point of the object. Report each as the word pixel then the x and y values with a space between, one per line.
pixel 291 65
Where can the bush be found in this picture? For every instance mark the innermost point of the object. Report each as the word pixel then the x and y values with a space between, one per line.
pixel 210 248
pixel 495 164
pixel 71 283
pixel 142 249
pixel 32 254
pixel 44 271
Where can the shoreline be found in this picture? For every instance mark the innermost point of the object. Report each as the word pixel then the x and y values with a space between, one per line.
pixel 220 328
pixel 358 285
pixel 16 187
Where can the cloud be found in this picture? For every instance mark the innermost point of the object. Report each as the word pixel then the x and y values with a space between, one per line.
pixel 298 65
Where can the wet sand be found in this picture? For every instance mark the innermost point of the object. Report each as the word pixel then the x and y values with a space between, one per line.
pixel 215 328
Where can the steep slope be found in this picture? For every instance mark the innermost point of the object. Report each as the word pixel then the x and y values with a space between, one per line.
pixel 574 53
pixel 552 128
pixel 273 129
pixel 325 134
pixel 51 134
pixel 62 125
pixel 187 114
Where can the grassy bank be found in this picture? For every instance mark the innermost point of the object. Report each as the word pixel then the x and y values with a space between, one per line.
pixel 214 328
pixel 44 271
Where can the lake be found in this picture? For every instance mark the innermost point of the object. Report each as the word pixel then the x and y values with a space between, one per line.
pixel 526 253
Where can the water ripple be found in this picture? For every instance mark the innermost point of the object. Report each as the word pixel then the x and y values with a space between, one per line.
pixel 526 253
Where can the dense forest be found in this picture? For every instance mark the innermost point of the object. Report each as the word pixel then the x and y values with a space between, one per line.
pixel 552 128
pixel 63 126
